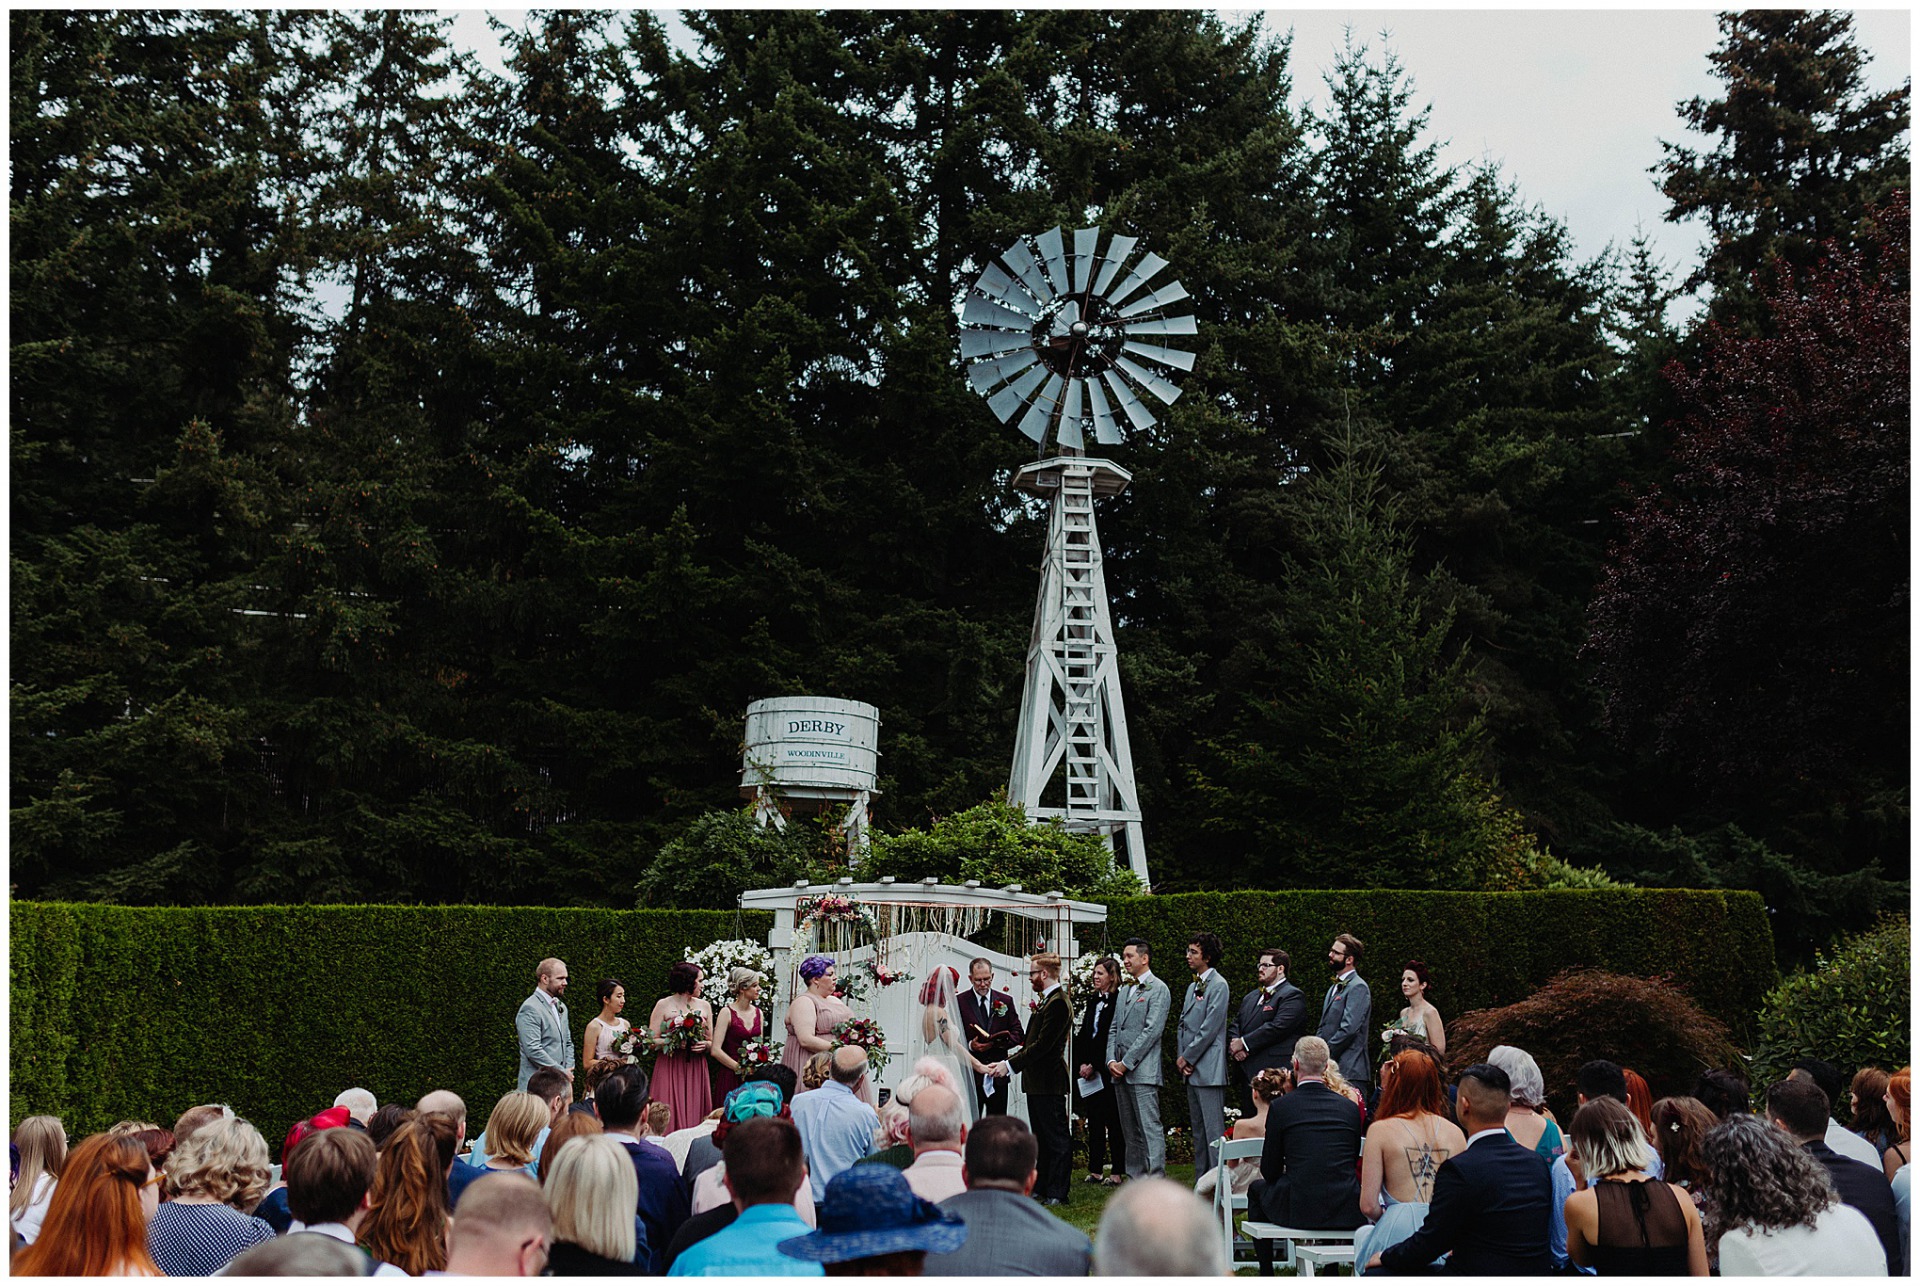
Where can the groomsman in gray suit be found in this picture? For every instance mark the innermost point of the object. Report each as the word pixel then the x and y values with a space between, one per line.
pixel 546 1038
pixel 1203 1048
pixel 1133 1051
pixel 1346 1016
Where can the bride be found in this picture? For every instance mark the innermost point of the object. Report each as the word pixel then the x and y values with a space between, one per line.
pixel 941 1035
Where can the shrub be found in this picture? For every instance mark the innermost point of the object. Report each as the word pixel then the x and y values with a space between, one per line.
pixel 1648 1024
pixel 997 845
pixel 1853 1009
pixel 722 854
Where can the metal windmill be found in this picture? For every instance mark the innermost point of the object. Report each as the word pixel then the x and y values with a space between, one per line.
pixel 1059 342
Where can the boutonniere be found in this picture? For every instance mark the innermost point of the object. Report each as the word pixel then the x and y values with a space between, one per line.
pixel 1200 987
pixel 999 1009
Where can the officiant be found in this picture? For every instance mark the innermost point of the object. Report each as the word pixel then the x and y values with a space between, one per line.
pixel 1042 1061
pixel 992 1029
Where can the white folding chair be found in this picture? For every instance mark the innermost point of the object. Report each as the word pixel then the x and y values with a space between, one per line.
pixel 1226 1202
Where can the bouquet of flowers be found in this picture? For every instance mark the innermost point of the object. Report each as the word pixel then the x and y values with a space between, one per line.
pixel 1392 1029
pixel 630 1044
pixel 681 1034
pixel 758 1053
pixel 865 1033
pixel 832 906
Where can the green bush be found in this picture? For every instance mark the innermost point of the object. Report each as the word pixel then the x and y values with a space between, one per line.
pixel 721 855
pixel 1853 1009
pixel 995 844
pixel 143 1011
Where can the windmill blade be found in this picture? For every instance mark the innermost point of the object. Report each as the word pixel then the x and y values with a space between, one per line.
pixel 1105 431
pixel 997 283
pixel 989 375
pixel 1040 414
pixel 1137 412
pixel 1014 396
pixel 1020 259
pixel 1164 356
pixel 1172 292
pixel 980 311
pixel 1117 251
pixel 1162 326
pixel 1064 319
pixel 990 343
pixel 1165 390
pixel 1072 413
pixel 1068 433
pixel 1086 244
pixel 1055 255
pixel 1150 263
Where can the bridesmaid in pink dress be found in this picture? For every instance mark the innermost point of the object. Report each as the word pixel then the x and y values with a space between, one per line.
pixel 813 1015
pixel 680 1080
pixel 738 1022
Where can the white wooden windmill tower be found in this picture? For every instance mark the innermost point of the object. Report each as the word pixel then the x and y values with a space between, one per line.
pixel 1057 338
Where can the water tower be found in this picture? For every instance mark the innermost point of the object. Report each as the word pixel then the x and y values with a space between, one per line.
pixel 819 751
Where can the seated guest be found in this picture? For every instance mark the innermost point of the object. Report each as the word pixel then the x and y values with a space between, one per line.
pixel 936 1129
pixel 407 1206
pixel 329 1186
pixel 1596 1078
pixel 592 1193
pixel 1679 1127
pixel 96 1224
pixel 551 1086
pixel 1307 1172
pixel 1529 1122
pixel 704 1150
pixel 1624 1224
pixel 273 1208
pixel 360 1104
pixel 1724 1093
pixel 1008 1232
pixel 1489 1207
pixel 1407 1142
pixel 597 1071
pixel 764 1168
pixel 502 1229
pixel 1837 1136
pixel 836 1124
pixel 871 1225
pixel 663 1204
pixel 1867 1102
pixel 752 1101
pixel 1899 1101
pixel 300 1254
pixel 1801 1109
pixel 221 1173
pixel 195 1117
pixel 572 1125
pixel 42 1141
pixel 513 1132
pixel 818 1067
pixel 1779 1214
pixel 1268 1085
pixel 388 1118
pixel 1158 1228
pixel 454 1108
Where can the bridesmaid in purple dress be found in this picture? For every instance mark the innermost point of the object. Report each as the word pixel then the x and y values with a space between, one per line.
pixel 680 1080
pixel 738 1022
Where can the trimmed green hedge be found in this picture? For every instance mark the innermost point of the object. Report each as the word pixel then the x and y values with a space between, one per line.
pixel 140 1012
pixel 143 1011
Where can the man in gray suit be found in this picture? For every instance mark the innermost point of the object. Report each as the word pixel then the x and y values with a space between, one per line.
pixel 546 1037
pixel 1203 1048
pixel 1008 1233
pixel 1133 1051
pixel 1346 1015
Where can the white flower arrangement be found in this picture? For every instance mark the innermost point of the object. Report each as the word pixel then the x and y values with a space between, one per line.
pixel 718 959
pixel 1080 972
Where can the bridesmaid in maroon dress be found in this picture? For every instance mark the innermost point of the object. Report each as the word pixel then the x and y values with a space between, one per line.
pixel 680 1080
pixel 738 1022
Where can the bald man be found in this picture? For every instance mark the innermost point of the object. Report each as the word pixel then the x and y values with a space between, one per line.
pixel 502 1229
pixel 545 1032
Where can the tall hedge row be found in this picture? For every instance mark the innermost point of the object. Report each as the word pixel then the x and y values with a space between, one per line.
pixel 131 1011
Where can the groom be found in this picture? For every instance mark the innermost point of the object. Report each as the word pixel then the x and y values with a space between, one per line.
pixel 1043 1062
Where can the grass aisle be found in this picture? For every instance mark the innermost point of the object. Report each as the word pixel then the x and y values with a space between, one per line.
pixel 1083 1208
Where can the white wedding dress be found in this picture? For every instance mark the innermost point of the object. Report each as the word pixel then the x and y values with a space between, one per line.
pixel 941 1036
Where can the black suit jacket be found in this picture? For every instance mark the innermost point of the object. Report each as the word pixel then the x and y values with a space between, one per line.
pixel 663 1204
pixel 1868 1191
pixel 1090 1043
pixel 1004 1027
pixel 1269 1028
pixel 1491 1208
pixel 1042 1061
pixel 1311 1160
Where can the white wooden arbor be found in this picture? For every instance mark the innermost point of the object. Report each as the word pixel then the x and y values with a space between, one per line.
pixel 1071 712
pixel 921 927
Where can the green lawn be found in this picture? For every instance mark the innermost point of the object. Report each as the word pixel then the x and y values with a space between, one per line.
pixel 1083 1208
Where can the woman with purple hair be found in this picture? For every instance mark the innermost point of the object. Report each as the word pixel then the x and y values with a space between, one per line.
pixel 814 1013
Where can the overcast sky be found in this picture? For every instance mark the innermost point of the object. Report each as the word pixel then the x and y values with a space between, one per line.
pixel 1572 104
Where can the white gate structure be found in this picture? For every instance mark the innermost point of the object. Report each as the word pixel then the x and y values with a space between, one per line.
pixel 915 929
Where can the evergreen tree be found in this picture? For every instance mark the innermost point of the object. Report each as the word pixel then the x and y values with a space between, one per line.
pixel 1801 151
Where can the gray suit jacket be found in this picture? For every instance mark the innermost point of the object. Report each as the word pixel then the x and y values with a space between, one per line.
pixel 1009 1235
pixel 546 1039
pixel 1137 1026
pixel 1345 1024
pixel 1203 1030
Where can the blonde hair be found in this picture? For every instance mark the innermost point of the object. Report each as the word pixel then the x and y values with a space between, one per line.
pixel 515 1125
pixel 740 977
pixel 225 1160
pixel 1609 1138
pixel 893 1123
pixel 42 1141
pixel 1335 1081
pixel 814 1075
pixel 592 1191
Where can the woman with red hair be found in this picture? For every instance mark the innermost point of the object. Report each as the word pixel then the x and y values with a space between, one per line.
pixel 96 1225
pixel 1640 1103
pixel 1412 1133
pixel 943 1036
pixel 1899 1099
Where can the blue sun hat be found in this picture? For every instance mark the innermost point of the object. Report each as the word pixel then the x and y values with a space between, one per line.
pixel 869 1210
